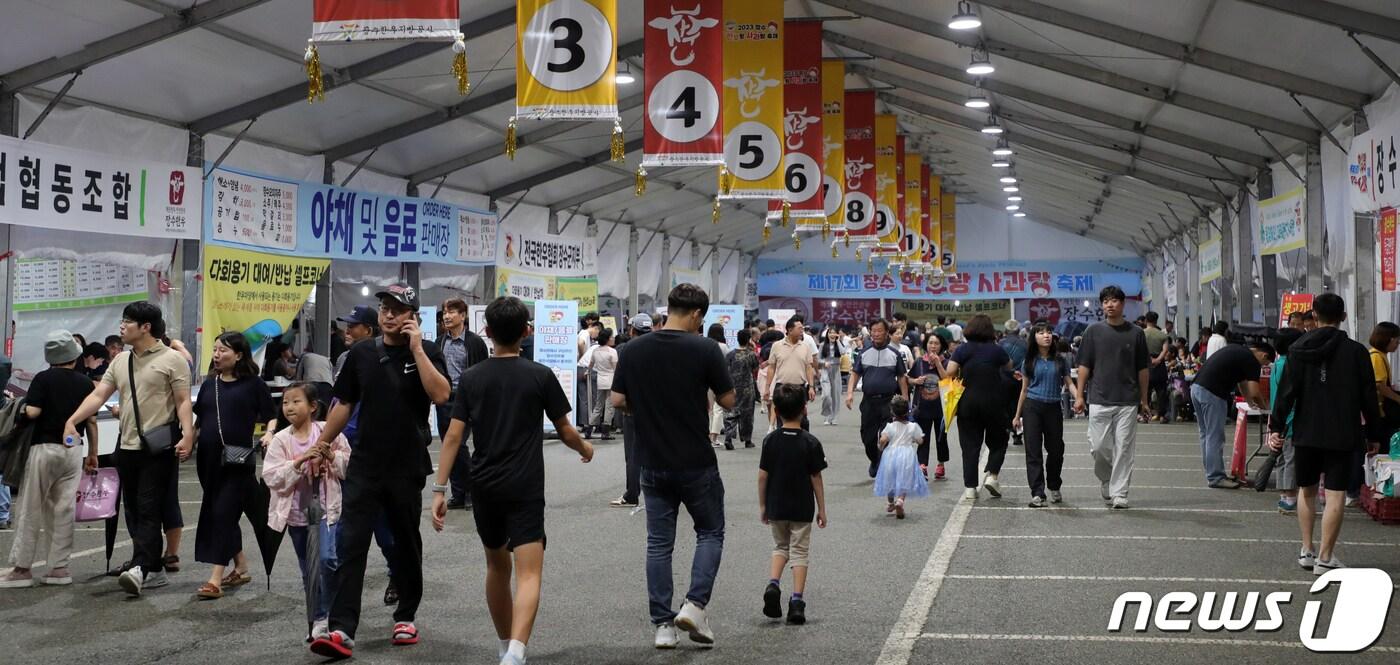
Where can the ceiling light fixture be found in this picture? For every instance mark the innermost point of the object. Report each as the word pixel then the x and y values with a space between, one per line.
pixel 1014 198
pixel 624 73
pixel 1013 207
pixel 992 128
pixel 977 100
pixel 1001 162
pixel 1010 189
pixel 1009 179
pixel 981 64
pixel 1019 214
pixel 965 19
pixel 1003 148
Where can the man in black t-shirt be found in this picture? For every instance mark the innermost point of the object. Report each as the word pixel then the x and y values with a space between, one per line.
pixel 670 411
pixel 394 379
pixel 504 399
pixel 1232 365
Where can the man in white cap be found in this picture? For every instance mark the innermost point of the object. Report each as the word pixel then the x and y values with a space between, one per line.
pixel 55 464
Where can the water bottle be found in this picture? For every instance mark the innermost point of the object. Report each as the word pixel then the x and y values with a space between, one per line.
pixel 70 440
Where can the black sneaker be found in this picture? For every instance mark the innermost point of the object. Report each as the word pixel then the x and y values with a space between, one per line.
pixel 728 444
pixel 119 569
pixel 797 612
pixel 748 444
pixel 456 504
pixel 391 594
pixel 772 601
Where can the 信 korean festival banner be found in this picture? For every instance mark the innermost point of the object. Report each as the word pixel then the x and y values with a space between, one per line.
pixel 802 125
pixel 545 267
pixel 556 345
pixel 53 187
pixel 974 279
pixel 858 210
pixel 370 20
pixel 566 59
pixel 1209 253
pixel 886 183
pixel 833 141
pixel 1281 223
pixel 753 98
pixel 255 293
pixel 731 317
pixel 684 71
pixel 948 230
pixel 324 221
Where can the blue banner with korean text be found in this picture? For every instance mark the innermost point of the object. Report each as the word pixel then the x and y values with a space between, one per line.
pixel 973 279
pixel 731 317
pixel 556 345
pixel 311 219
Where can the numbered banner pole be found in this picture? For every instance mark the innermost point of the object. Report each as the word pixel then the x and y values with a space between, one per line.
pixel 802 126
pixel 753 98
pixel 886 184
pixel 833 143
pixel 934 185
pixel 911 246
pixel 926 217
pixel 948 213
pixel 859 214
pixel 684 71
pixel 566 59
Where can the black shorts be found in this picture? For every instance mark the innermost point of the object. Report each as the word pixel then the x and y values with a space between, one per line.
pixel 509 524
pixel 1332 466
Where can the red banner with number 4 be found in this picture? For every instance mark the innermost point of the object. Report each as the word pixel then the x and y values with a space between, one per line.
pixel 684 72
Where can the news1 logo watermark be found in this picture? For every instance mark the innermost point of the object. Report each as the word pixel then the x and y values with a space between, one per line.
pixel 1358 617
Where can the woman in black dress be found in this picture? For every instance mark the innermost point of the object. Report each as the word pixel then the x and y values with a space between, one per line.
pixel 231 403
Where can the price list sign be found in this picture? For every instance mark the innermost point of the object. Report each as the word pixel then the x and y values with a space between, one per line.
pixel 476 236
pixel 58 284
pixel 254 211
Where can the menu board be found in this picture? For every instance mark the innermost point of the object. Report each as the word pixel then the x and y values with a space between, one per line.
pixel 59 284
pixel 476 236
pixel 254 211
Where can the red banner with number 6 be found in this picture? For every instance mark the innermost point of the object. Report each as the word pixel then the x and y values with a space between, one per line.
pixel 684 74
pixel 802 125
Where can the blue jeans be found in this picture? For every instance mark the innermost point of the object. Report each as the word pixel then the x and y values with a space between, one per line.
pixel 329 562
pixel 4 501
pixel 702 493
pixel 1211 416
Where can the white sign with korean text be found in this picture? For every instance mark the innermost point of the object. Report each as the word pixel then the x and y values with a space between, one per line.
pixel 1373 164
pixel 253 211
pixel 545 254
pixel 1169 284
pixel 1281 223
pixel 476 236
pixel 54 187
pixel 1210 260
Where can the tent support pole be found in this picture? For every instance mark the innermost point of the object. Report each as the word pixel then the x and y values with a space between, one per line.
pixel 236 140
pixel 361 164
pixel 52 103
pixel 9 126
pixel 633 298
pixel 1268 263
pixel 1314 219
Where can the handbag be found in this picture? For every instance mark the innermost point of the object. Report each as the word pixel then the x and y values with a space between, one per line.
pixel 233 455
pixel 97 495
pixel 160 440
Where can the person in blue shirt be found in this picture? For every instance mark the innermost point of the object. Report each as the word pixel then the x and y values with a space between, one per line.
pixel 1281 461
pixel 1043 374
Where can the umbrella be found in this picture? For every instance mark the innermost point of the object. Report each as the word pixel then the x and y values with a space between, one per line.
pixel 313 554
pixel 269 541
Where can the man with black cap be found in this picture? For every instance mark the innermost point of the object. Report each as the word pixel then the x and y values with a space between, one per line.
pixel 405 374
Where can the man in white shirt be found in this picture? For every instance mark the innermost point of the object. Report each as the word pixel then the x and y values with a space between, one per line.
pixel 587 338
pixel 1217 339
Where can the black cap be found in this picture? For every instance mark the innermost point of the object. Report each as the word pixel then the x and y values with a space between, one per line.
pixel 362 315
pixel 402 293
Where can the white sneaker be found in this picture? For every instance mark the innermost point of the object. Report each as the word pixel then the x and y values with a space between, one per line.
pixel 131 580
pixel 321 628
pixel 1322 566
pixel 667 637
pixel 969 495
pixel 156 580
pixel 1353 502
pixel 692 620
pixel 1306 559
pixel 1056 497
pixel 1120 503
pixel 993 486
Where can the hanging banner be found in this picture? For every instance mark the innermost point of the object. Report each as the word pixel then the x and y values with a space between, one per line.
pixel 374 20
pixel 731 317
pixel 1281 223
pixel 753 98
pixel 976 279
pixel 556 345
pixel 933 184
pixel 53 187
pixel 582 290
pixel 1209 253
pixel 948 230
pixel 314 220
pixel 549 254
pixel 566 59
pixel 928 212
pixel 1294 302
pixel 833 141
pixel 1169 283
pixel 255 293
pixel 687 276
pixel 1387 239
pixel 887 169
pixel 1372 165
pixel 684 70
pixel 913 244
pixel 1056 310
pixel 928 311
pixel 858 216
pixel 803 136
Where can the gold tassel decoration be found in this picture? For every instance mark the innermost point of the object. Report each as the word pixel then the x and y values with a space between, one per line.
pixel 459 64
pixel 619 147
pixel 510 138
pixel 834 255
pixel 796 240
pixel 714 212
pixel 316 88
pixel 787 212
pixel 767 232
pixel 848 244
pixel 641 181
pixel 726 180
pixel 826 229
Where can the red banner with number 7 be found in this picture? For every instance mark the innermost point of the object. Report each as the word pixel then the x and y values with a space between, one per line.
pixel 684 72
pixel 802 125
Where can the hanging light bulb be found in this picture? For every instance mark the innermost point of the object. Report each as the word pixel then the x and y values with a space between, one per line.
pixel 992 127
pixel 624 73
pixel 1013 197
pixel 1013 207
pixel 1008 179
pixel 1010 188
pixel 1019 214
pixel 364 291
pixel 981 63
pixel 1001 163
pixel 964 19
pixel 1003 148
pixel 977 101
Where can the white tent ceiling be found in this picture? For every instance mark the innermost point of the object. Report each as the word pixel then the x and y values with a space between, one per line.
pixel 1127 116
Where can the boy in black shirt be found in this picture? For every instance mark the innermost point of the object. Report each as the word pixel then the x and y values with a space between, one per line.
pixel 504 399
pixel 789 490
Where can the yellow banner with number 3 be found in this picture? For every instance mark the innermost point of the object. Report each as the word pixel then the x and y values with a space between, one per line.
pixel 566 59
pixel 753 98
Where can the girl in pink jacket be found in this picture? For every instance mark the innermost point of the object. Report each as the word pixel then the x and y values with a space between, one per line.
pixel 295 469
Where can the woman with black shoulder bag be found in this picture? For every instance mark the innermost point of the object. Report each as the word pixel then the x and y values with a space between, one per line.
pixel 231 402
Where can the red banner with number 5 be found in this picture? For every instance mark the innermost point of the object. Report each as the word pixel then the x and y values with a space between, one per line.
pixel 684 75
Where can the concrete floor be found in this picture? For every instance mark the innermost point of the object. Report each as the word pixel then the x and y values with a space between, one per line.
pixel 990 582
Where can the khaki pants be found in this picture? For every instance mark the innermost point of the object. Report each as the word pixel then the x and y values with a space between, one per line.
pixel 47 500
pixel 1112 442
pixel 792 540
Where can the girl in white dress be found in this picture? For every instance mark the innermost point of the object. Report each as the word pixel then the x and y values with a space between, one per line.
pixel 899 475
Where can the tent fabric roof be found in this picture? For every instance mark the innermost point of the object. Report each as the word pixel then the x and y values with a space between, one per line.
pixel 1128 117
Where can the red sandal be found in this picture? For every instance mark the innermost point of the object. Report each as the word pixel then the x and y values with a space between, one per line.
pixel 405 633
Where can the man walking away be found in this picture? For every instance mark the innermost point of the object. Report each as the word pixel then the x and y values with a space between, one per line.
pixel 1217 339
pixel 743 364
pixel 632 490
pixel 1234 365
pixel 1330 389
pixel 671 414
pixel 881 372
pixel 461 349
pixel 1159 351
pixel 1114 353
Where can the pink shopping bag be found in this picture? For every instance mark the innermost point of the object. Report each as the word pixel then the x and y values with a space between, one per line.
pixel 97 495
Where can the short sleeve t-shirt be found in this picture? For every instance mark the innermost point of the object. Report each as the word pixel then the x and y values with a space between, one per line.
pixel 1114 356
pixel 1381 368
pixel 1156 339
pixel 666 375
pixel 393 407
pixel 1228 366
pixel 504 401
pixel 789 361
pixel 160 373
pixel 981 364
pixel 242 404
pixel 791 457
pixel 57 392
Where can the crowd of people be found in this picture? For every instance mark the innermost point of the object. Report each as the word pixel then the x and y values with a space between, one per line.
pixel 346 453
